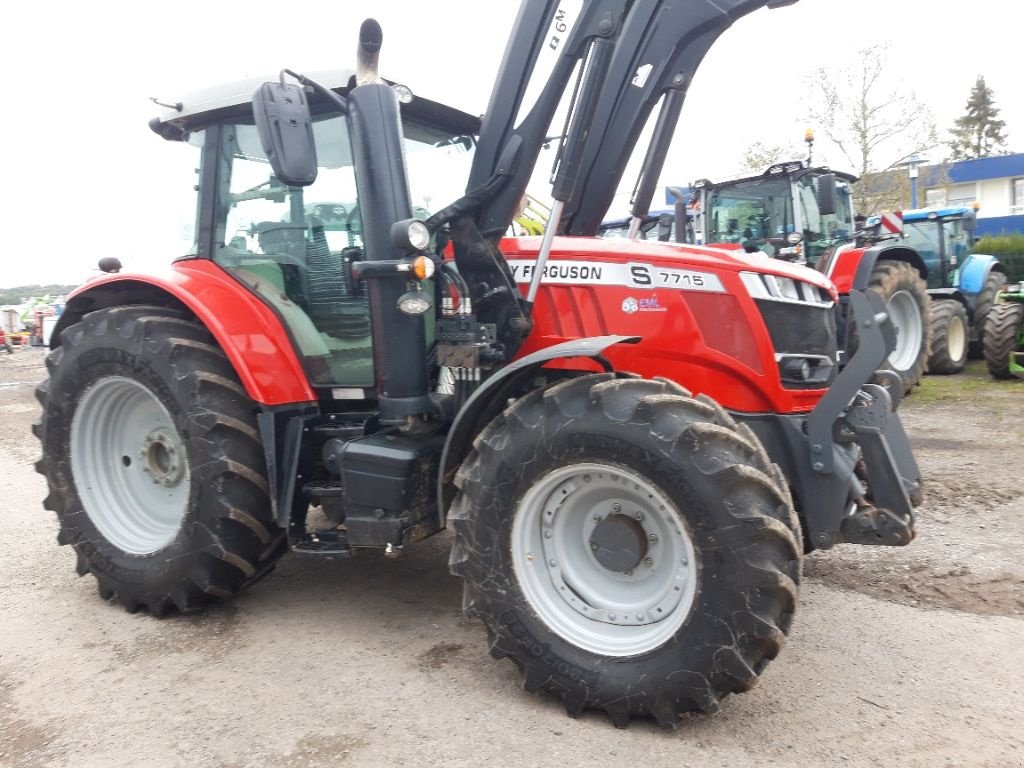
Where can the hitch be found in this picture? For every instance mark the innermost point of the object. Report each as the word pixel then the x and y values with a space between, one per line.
pixel 872 525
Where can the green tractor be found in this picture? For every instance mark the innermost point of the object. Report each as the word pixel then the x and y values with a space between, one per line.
pixel 1004 334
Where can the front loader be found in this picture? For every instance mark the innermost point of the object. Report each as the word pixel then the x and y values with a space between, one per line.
pixel 633 444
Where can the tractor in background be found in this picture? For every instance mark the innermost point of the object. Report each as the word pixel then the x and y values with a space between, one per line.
pixel 1003 339
pixel 963 285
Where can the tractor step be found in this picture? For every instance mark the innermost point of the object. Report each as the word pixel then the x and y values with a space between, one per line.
pixel 328 543
pixel 320 489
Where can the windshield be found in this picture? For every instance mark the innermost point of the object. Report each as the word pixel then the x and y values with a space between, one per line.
pixel 659 226
pixel 824 231
pixel 751 212
pixel 937 240
pixel 295 246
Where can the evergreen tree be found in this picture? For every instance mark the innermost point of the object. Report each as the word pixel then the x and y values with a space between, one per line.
pixel 979 133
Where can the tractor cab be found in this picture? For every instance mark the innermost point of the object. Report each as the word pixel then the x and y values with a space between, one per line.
pixel 943 237
pixel 791 211
pixel 299 247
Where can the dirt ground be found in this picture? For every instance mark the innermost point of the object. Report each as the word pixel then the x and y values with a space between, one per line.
pixel 898 657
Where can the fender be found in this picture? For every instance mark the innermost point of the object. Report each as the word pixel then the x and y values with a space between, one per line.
pixel 974 271
pixel 853 268
pixel 248 331
pixel 488 400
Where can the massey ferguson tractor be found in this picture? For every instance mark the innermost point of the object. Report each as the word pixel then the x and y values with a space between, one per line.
pixel 633 443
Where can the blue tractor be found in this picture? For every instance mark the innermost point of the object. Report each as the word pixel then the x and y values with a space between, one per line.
pixel 963 285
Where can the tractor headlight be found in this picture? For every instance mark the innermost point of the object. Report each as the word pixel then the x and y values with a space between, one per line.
pixel 403 92
pixel 414 302
pixel 786 286
pixel 814 370
pixel 410 235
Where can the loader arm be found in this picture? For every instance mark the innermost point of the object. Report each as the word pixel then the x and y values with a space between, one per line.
pixel 661 45
pixel 627 54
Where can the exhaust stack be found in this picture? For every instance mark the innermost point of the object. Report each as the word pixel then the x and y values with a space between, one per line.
pixel 370 38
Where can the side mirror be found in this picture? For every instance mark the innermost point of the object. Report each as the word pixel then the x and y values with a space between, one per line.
pixel 682 221
pixel 665 222
pixel 827 194
pixel 969 221
pixel 285 128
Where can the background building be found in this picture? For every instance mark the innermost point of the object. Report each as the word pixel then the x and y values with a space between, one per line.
pixel 995 183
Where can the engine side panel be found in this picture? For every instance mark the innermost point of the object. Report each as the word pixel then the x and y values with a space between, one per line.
pixel 698 324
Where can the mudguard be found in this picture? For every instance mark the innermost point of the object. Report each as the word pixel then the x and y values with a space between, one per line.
pixel 474 414
pixel 248 331
pixel 973 272
pixel 860 278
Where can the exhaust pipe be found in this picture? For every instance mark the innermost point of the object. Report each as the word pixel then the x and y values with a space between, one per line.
pixel 370 38
pixel 399 340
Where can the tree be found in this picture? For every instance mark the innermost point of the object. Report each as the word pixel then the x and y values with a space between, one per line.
pixel 874 123
pixel 758 156
pixel 979 133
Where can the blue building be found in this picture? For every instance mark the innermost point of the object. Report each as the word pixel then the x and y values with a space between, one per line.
pixel 995 183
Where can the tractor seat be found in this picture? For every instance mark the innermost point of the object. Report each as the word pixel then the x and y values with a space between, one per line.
pixel 333 305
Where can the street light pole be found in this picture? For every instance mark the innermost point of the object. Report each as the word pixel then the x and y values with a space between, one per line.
pixel 913 163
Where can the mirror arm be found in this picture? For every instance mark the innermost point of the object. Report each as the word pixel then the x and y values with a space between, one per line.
pixel 340 101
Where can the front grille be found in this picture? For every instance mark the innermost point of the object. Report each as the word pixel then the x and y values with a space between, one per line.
pixel 800 318
pixel 799 328
pixel 802 331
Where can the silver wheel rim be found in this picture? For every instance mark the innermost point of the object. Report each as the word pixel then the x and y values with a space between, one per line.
pixel 905 314
pixel 587 603
pixel 129 465
pixel 956 338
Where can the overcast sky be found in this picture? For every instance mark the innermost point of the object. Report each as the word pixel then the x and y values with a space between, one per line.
pixel 85 177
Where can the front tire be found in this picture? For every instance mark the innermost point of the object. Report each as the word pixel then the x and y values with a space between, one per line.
pixel 949 337
pixel 994 283
pixel 154 461
pixel 907 302
pixel 1004 327
pixel 627 546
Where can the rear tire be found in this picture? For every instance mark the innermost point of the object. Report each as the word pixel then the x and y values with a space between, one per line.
pixel 985 301
pixel 949 337
pixel 697 603
pixel 1004 325
pixel 154 461
pixel 906 298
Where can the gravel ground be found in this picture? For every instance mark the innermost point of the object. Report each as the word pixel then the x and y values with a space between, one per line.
pixel 898 657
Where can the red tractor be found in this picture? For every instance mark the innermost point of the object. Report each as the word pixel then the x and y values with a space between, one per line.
pixel 633 443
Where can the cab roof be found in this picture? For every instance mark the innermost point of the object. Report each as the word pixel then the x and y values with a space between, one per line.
pixel 922 214
pixel 209 105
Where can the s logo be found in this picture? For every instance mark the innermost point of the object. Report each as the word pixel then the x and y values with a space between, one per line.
pixel 640 275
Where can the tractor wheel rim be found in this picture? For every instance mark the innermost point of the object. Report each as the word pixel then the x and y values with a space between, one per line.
pixel 957 339
pixel 604 559
pixel 129 465
pixel 905 314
